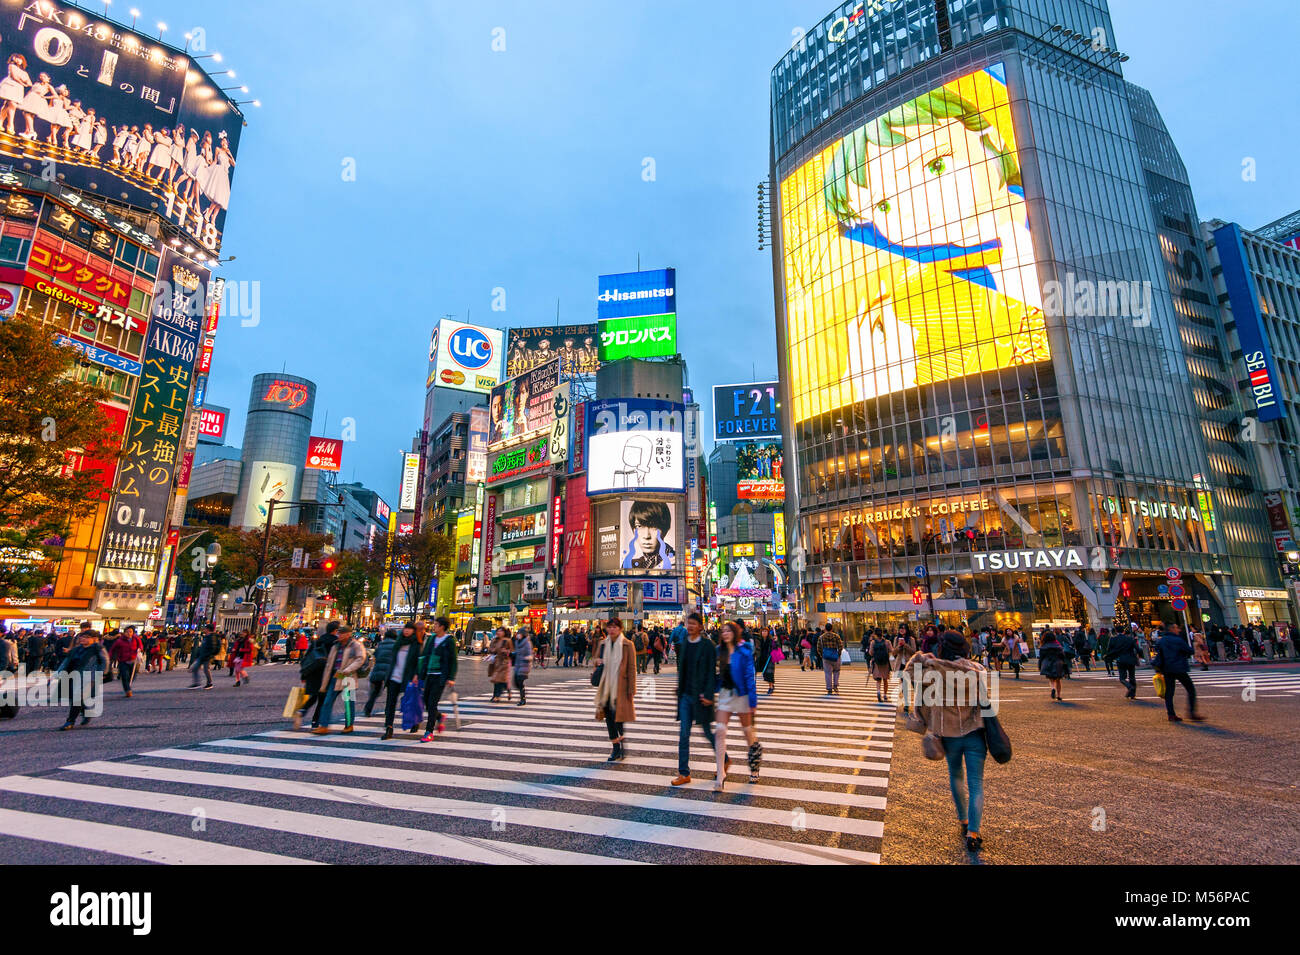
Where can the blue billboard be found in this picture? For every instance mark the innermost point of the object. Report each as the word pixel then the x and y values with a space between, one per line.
pixel 653 292
pixel 745 412
pixel 634 445
pixel 1261 370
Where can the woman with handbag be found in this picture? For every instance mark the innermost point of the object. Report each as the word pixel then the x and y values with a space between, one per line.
pixel 958 725
pixel 523 654
pixel 1051 662
pixel 498 662
pixel 767 656
pixel 615 682
pixel 736 693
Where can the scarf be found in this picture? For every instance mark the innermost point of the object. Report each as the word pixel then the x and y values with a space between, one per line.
pixel 607 692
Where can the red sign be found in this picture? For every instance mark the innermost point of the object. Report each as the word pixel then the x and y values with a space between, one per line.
pixel 183 472
pixel 76 273
pixel 404 528
pixel 204 365
pixel 291 393
pixel 489 535
pixel 557 531
pixel 212 424
pixel 576 538
pixel 325 454
pixel 7 301
pixel 104 460
pixel 760 489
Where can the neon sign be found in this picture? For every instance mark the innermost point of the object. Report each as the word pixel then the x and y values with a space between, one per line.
pixel 292 393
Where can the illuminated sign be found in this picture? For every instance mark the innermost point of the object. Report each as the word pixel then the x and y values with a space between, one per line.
pixel 102 356
pixel 908 258
pixel 557 531
pixel 760 471
pixel 476 456
pixel 745 411
pixel 635 444
pixel 1152 508
pixel 760 490
pixel 615 589
pixel 523 459
pixel 523 406
pixel 212 423
pixel 651 292
pixel 907 510
pixel 467 357
pixel 325 454
pixel 1058 558
pixel 576 346
pixel 1243 296
pixel 742 550
pixel 410 479
pixel 85 278
pixel 291 393
pixel 489 535
pixel 642 336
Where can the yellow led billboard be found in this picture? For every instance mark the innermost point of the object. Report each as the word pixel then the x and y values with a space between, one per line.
pixel 908 258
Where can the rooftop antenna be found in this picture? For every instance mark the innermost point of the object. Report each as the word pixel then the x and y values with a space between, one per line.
pixel 557 309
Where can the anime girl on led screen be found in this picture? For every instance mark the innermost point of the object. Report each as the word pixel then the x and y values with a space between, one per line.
pixel 941 280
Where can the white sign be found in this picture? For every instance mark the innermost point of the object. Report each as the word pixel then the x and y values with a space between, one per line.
pixel 1260 593
pixel 467 357
pixel 635 461
pixel 410 480
pixel 268 481
pixel 297 558
pixel 1050 558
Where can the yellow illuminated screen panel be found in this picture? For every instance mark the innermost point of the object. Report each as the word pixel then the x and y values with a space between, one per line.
pixel 908 258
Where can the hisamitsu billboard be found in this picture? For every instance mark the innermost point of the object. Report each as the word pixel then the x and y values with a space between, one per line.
pixel 746 411
pixel 653 292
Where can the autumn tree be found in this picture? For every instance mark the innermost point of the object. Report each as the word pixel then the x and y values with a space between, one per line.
pixel 417 560
pixel 58 452
pixel 353 579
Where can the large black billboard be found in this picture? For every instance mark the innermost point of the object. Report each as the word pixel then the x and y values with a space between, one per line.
pixel 577 347
pixel 98 107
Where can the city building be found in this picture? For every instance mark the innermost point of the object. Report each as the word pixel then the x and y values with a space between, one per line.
pixel 119 266
pixel 983 376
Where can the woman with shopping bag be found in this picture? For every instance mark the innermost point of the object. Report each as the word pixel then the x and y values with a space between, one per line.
pixel 498 661
pixel 403 684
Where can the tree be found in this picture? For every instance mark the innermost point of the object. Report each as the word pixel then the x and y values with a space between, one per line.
pixel 417 559
pixel 353 579
pixel 58 450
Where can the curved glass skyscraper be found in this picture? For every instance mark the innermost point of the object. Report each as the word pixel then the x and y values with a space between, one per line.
pixel 980 357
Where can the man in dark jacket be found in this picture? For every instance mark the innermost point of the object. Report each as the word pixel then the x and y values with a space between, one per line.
pixel 36 652
pixel 204 650
pixel 1173 654
pixel 404 670
pixel 381 668
pixel 697 666
pixel 1123 651
pixel 438 663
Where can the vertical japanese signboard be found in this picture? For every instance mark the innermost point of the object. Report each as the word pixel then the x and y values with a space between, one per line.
pixel 137 522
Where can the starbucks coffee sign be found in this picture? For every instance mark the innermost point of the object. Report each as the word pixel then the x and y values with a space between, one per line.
pixel 1045 558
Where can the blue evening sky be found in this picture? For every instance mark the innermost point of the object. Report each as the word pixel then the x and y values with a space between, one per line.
pixel 522 169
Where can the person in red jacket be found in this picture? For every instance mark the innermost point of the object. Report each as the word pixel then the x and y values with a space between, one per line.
pixel 126 649
pixel 244 652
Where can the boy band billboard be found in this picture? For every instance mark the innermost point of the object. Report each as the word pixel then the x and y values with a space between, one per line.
pixel 909 259
pixel 576 346
pixel 112 112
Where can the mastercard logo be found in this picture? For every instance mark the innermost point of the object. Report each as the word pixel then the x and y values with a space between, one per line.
pixel 452 377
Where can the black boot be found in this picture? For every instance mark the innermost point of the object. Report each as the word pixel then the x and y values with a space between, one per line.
pixel 618 753
pixel 755 759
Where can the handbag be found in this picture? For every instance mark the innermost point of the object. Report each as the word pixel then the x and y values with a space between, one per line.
pixel 995 737
pixel 830 654
pixel 1158 681
pixel 294 703
pixel 777 655
pixel 913 722
pixel 489 658
pixel 596 674
pixel 931 747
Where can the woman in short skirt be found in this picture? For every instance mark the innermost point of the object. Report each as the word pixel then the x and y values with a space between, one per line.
pixel 736 693
pixel 160 154
pixel 36 104
pixel 13 90
pixel 85 136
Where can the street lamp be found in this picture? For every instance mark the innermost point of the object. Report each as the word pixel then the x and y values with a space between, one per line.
pixel 213 555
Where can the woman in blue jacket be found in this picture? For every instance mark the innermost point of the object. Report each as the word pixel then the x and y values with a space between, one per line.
pixel 736 693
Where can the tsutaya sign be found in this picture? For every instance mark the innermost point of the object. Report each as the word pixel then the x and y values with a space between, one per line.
pixel 1143 508
pixel 905 510
pixel 1048 558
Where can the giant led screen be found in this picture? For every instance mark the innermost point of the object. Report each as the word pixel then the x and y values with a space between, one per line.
pixel 908 258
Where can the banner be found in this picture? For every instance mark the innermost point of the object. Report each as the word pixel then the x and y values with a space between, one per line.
pixel 523 406
pixel 576 346
pixel 325 454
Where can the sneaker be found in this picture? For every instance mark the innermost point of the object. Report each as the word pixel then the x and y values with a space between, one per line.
pixel 974 843
pixel 681 781
pixel 442 726
pixel 67 726
pixel 428 738
pixel 208 687
pixel 348 729
pixel 192 686
pixel 128 694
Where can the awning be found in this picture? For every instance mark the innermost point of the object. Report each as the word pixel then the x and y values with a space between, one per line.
pixel 48 613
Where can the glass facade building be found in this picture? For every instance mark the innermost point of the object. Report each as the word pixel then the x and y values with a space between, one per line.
pixel 276 434
pixel 982 364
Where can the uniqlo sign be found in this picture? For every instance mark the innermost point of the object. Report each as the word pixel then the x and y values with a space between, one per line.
pixel 212 424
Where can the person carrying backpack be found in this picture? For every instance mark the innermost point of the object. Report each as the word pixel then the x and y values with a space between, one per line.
pixel 829 648
pixel 880 667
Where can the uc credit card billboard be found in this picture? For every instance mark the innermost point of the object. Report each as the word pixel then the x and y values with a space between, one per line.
pixel 637 314
pixel 467 357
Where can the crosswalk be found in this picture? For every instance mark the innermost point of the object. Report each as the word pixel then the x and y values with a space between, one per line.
pixel 1258 679
pixel 511 785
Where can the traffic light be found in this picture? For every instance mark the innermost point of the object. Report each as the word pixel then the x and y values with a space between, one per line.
pixel 327 565
pixel 918 596
pixel 1124 589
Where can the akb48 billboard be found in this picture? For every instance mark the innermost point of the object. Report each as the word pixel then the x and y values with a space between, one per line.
pixel 118 114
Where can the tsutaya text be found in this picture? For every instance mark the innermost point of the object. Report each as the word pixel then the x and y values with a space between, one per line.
pixel 1048 558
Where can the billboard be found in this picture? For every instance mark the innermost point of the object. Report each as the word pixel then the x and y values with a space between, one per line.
pixel 512 461
pixel 576 554
pixel 118 114
pixel 1243 296
pixel 325 454
pixel 634 444
pixel 410 481
pixel 638 336
pixel 212 422
pixel 466 357
pixel 908 256
pixel 760 475
pixel 523 406
pixel 615 589
pixel 637 534
pixel 745 411
pixel 476 456
pixel 577 347
pixel 137 522
pixel 269 481
pixel 652 292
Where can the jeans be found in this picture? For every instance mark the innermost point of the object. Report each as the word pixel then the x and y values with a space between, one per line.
pixel 615 728
pixel 1186 680
pixel 125 671
pixel 1128 677
pixel 691 711
pixel 832 668
pixel 205 663
pixel 326 712
pixel 433 687
pixel 971 749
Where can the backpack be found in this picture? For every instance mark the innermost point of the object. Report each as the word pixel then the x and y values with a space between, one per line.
pixel 880 652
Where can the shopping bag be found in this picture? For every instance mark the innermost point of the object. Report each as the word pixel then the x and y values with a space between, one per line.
pixel 294 703
pixel 1158 681
pixel 844 656
pixel 412 707
pixel 455 707
pixel 777 655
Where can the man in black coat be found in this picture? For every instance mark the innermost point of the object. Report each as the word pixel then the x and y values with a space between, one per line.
pixel 1123 650
pixel 1173 660
pixel 697 667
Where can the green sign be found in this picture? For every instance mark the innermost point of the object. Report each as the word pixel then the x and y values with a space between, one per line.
pixel 519 460
pixel 641 336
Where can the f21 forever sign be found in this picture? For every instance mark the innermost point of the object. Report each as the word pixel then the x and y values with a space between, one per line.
pixel 137 523
pixel 635 444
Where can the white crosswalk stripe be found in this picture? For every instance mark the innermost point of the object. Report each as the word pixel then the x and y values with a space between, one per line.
pixel 512 785
pixel 1261 678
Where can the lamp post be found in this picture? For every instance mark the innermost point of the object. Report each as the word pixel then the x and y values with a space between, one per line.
pixel 210 564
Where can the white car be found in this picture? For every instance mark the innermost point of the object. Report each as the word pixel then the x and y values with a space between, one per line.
pixel 281 649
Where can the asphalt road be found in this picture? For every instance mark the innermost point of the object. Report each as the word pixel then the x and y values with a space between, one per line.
pixel 216 776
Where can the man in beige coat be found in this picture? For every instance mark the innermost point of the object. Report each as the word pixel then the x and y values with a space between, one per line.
pixel 616 691
pixel 346 657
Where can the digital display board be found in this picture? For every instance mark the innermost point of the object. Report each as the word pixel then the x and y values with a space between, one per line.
pixel 523 406
pixel 639 336
pixel 466 357
pixel 577 347
pixel 746 411
pixel 117 113
pixel 908 256
pixel 634 444
pixel 651 292
pixel 759 471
